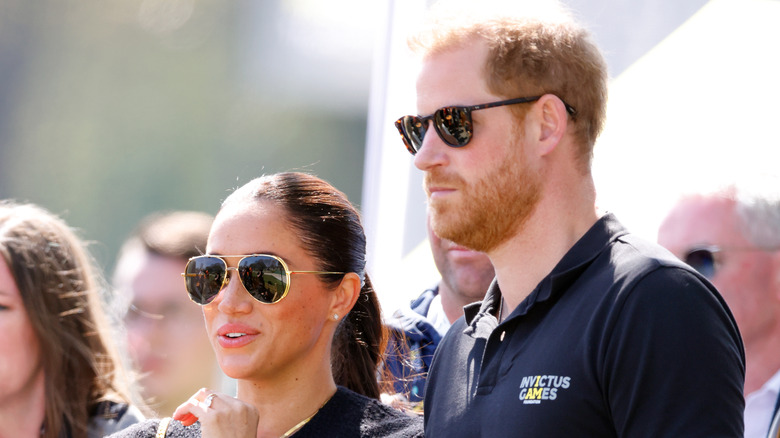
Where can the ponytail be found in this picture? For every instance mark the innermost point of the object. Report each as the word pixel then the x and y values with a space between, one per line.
pixel 358 345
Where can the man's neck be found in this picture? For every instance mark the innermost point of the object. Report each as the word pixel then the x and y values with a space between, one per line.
pixel 558 222
pixel 451 302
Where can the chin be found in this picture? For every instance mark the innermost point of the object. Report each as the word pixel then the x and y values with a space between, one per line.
pixel 442 219
pixel 242 368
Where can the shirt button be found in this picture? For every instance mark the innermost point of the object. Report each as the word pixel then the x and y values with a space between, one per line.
pixel 502 336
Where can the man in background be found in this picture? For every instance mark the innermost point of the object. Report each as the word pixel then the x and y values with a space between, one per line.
pixel 417 329
pixel 732 237
pixel 166 335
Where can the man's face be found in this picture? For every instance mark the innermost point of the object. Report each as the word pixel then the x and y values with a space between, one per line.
pixel 466 273
pixel 480 194
pixel 743 274
pixel 166 333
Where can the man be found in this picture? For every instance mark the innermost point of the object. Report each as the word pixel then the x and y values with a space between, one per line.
pixel 588 331
pixel 417 329
pixel 732 236
pixel 166 335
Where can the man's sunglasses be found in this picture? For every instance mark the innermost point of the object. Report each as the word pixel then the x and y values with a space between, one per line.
pixel 265 277
pixel 452 123
pixel 702 259
pixel 705 259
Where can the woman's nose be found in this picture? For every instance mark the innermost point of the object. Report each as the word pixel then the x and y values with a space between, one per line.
pixel 234 298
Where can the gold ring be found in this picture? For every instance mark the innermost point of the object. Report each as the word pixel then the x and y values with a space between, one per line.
pixel 209 399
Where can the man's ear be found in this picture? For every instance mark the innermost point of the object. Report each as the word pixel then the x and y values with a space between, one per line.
pixel 345 296
pixel 553 120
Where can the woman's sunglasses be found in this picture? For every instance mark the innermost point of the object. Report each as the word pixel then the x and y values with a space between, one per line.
pixel 452 123
pixel 265 277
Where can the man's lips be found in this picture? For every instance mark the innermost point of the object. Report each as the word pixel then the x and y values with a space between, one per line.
pixel 438 191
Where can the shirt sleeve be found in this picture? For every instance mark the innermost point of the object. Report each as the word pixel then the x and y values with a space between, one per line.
pixel 673 361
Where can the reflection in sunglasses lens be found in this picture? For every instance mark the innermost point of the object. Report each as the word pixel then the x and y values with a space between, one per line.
pixel 264 277
pixel 415 128
pixel 454 125
pixel 204 277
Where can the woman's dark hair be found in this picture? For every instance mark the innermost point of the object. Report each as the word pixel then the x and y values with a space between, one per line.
pixel 331 232
pixel 59 287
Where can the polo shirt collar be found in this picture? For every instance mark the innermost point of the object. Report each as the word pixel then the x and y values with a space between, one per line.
pixel 599 237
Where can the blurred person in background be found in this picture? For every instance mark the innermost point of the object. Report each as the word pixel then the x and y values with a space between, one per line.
pixel 60 375
pixel 165 331
pixel 731 235
pixel 415 330
pixel 292 316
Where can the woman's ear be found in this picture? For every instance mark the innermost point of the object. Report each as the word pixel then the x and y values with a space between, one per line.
pixel 345 296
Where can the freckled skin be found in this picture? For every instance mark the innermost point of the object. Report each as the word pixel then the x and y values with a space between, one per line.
pixel 290 333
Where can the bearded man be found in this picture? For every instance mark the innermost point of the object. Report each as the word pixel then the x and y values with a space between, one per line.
pixel 588 331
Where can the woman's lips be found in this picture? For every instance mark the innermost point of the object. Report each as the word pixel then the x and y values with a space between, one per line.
pixel 236 335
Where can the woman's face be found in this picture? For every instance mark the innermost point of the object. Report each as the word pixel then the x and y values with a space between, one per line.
pixel 21 370
pixel 267 341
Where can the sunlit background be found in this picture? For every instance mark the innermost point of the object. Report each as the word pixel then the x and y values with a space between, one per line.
pixel 113 109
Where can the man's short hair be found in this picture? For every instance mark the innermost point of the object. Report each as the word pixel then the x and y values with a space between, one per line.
pixel 532 52
pixel 178 234
pixel 756 201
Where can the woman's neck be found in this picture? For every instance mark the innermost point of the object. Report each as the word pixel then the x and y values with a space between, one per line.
pixel 282 403
pixel 21 414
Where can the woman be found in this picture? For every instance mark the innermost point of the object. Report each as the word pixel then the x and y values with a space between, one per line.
pixel 59 376
pixel 292 316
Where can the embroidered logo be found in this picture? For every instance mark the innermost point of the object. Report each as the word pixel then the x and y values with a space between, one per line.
pixel 535 389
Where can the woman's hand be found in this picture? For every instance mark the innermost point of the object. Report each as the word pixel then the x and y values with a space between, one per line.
pixel 220 415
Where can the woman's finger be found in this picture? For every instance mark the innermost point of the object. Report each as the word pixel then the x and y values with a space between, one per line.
pixel 195 407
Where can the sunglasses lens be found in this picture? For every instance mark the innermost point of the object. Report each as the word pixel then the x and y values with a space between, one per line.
pixel 454 126
pixel 203 277
pixel 412 129
pixel 702 261
pixel 264 278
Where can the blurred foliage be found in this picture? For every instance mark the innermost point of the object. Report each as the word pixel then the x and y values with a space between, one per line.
pixel 113 109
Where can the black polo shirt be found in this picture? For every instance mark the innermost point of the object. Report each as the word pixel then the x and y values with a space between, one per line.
pixel 620 340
